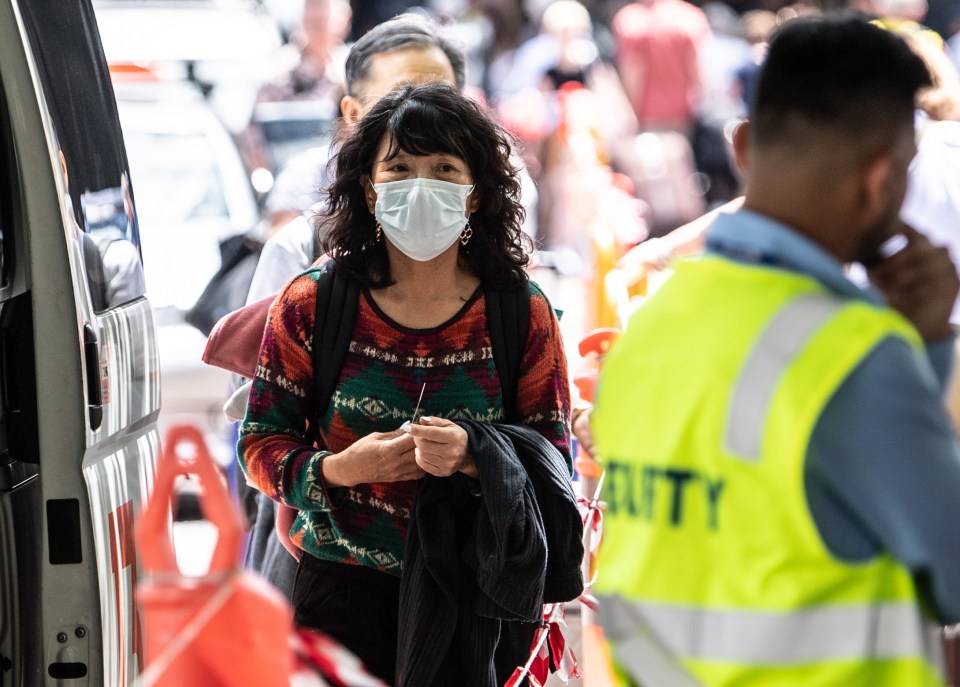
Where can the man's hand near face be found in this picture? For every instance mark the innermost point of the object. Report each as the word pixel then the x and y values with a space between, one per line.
pixel 921 283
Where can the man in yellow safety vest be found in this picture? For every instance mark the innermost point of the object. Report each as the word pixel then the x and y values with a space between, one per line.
pixel 783 483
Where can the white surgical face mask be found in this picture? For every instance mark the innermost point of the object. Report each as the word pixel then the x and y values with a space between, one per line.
pixel 422 217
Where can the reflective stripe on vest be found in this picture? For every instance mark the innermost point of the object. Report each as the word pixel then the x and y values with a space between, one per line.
pixel 835 633
pixel 785 336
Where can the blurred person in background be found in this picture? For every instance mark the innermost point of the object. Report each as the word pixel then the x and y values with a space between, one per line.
pixel 559 50
pixel 505 68
pixel 561 53
pixel 311 71
pixel 313 68
pixel 720 55
pixel 658 43
pixel 902 16
pixel 758 26
pixel 568 24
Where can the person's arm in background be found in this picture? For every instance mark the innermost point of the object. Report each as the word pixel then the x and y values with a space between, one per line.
pixel 883 466
pixel 633 75
pixel 698 33
pixel 657 253
pixel 692 67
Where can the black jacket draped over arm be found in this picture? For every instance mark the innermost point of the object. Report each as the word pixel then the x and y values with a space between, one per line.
pixel 483 556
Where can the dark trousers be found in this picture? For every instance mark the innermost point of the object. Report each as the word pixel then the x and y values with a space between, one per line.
pixel 355 605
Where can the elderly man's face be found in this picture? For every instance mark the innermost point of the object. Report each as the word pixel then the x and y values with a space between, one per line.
pixel 392 69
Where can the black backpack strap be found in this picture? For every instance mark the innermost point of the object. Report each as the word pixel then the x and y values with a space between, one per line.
pixel 337 299
pixel 508 320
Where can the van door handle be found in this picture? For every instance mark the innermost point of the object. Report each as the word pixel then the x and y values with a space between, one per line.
pixel 91 357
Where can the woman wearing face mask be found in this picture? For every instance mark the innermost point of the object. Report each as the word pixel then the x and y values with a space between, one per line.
pixel 424 216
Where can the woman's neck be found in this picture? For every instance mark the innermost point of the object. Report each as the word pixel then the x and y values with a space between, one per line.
pixel 426 294
pixel 432 280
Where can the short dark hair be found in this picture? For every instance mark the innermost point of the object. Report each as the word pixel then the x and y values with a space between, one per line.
pixel 840 73
pixel 400 33
pixel 428 119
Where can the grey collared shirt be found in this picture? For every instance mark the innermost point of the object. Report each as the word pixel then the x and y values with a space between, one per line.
pixel 882 470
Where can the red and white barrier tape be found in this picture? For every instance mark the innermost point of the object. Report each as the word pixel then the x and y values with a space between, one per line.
pixel 593 523
pixel 322 661
pixel 549 649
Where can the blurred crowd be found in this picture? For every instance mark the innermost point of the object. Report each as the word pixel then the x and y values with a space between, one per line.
pixel 623 110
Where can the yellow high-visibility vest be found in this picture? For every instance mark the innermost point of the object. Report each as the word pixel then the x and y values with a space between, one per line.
pixel 712 570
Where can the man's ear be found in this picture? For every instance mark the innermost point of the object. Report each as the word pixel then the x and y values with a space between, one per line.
pixel 370 193
pixel 351 109
pixel 741 145
pixel 876 185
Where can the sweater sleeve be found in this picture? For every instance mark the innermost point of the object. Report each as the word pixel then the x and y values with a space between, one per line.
pixel 543 389
pixel 272 448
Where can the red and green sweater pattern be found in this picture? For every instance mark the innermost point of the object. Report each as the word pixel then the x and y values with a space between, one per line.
pixel 380 381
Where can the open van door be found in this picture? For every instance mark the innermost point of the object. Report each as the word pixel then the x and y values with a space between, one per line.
pixel 79 377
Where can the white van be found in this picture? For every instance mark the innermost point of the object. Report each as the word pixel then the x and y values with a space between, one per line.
pixel 79 374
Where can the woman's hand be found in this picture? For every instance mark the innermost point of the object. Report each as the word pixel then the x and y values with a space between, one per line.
pixel 442 447
pixel 377 457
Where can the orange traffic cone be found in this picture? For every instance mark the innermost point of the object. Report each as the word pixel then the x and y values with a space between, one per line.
pixel 227 627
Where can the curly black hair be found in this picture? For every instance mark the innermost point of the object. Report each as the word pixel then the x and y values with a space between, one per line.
pixel 428 119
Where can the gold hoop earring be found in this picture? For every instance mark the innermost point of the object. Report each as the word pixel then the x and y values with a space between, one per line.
pixel 466 234
pixel 378 236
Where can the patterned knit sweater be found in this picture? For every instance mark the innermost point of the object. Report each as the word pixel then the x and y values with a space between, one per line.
pixel 378 387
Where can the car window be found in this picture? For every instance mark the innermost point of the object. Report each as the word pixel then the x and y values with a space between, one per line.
pixel 177 177
pixel 113 265
pixel 92 161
